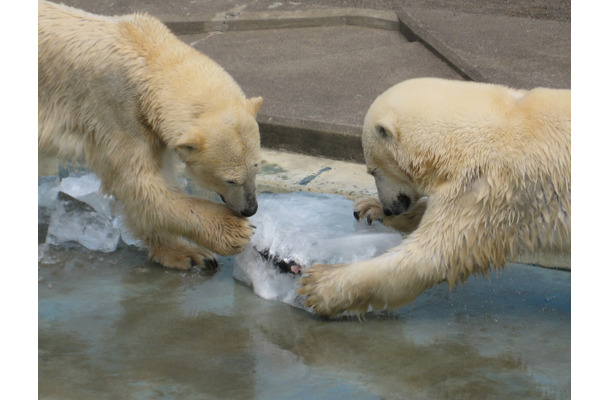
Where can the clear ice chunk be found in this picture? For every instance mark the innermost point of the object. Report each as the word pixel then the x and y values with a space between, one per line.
pixel 86 188
pixel 74 220
pixel 48 186
pixel 303 229
pixel 126 236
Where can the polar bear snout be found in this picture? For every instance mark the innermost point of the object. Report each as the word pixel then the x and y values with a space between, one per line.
pixel 252 207
pixel 249 207
pixel 396 197
pixel 400 205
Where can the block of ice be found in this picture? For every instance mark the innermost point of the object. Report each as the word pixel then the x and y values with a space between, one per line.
pixel 86 188
pixel 48 186
pixel 126 235
pixel 73 220
pixel 301 229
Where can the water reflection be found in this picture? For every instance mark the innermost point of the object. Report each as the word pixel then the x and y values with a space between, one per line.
pixel 114 326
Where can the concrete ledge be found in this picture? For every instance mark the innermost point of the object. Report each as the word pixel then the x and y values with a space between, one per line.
pixel 314 138
pixel 185 27
pixel 402 21
pixel 414 31
pixel 283 19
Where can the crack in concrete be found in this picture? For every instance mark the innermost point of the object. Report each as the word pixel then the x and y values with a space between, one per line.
pixel 310 178
pixel 205 37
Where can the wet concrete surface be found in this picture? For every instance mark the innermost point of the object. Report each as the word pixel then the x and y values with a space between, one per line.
pixel 113 325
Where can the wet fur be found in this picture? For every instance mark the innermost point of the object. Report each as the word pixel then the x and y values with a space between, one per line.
pixel 494 165
pixel 122 92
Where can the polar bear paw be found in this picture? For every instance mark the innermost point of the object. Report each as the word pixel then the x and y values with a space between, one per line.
pixel 234 234
pixel 182 255
pixel 329 290
pixel 368 208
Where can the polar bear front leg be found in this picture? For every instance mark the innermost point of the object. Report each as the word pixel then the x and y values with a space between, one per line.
pixel 212 225
pixel 448 244
pixel 160 214
pixel 209 227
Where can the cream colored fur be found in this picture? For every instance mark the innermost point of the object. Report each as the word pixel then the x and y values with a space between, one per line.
pixel 130 98
pixel 487 172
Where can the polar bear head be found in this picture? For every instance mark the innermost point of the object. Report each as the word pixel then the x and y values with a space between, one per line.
pixel 384 153
pixel 425 135
pixel 200 113
pixel 221 151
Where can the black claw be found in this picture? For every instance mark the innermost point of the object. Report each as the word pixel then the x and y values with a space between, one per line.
pixel 357 215
pixel 369 220
pixel 211 263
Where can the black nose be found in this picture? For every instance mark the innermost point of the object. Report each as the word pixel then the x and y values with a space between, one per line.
pixel 250 211
pixel 405 202
pixel 398 206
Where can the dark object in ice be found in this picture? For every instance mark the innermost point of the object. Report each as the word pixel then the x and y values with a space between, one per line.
pixel 285 266
pixel 296 230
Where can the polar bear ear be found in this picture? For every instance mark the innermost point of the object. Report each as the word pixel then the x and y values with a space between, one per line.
pixel 383 130
pixel 187 145
pixel 186 150
pixel 254 104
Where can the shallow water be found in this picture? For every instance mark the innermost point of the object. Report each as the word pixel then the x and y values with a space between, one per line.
pixel 116 326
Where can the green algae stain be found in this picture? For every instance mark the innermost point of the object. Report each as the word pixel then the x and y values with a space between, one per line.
pixel 268 168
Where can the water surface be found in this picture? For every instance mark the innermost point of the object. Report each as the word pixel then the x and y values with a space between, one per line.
pixel 116 326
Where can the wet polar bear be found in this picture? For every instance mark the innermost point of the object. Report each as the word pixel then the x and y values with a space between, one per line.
pixel 479 173
pixel 132 100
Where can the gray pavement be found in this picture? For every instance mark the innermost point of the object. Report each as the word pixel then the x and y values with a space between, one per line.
pixel 319 64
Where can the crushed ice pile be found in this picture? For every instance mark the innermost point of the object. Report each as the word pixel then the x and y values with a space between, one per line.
pixel 76 212
pixel 301 229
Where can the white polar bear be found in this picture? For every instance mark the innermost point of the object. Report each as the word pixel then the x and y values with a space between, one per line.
pixel 479 173
pixel 131 99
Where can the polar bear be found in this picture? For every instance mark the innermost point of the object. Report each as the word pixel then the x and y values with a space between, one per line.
pixel 479 173
pixel 132 100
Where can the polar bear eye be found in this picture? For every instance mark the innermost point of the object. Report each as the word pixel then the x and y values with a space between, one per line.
pixel 231 182
pixel 187 148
